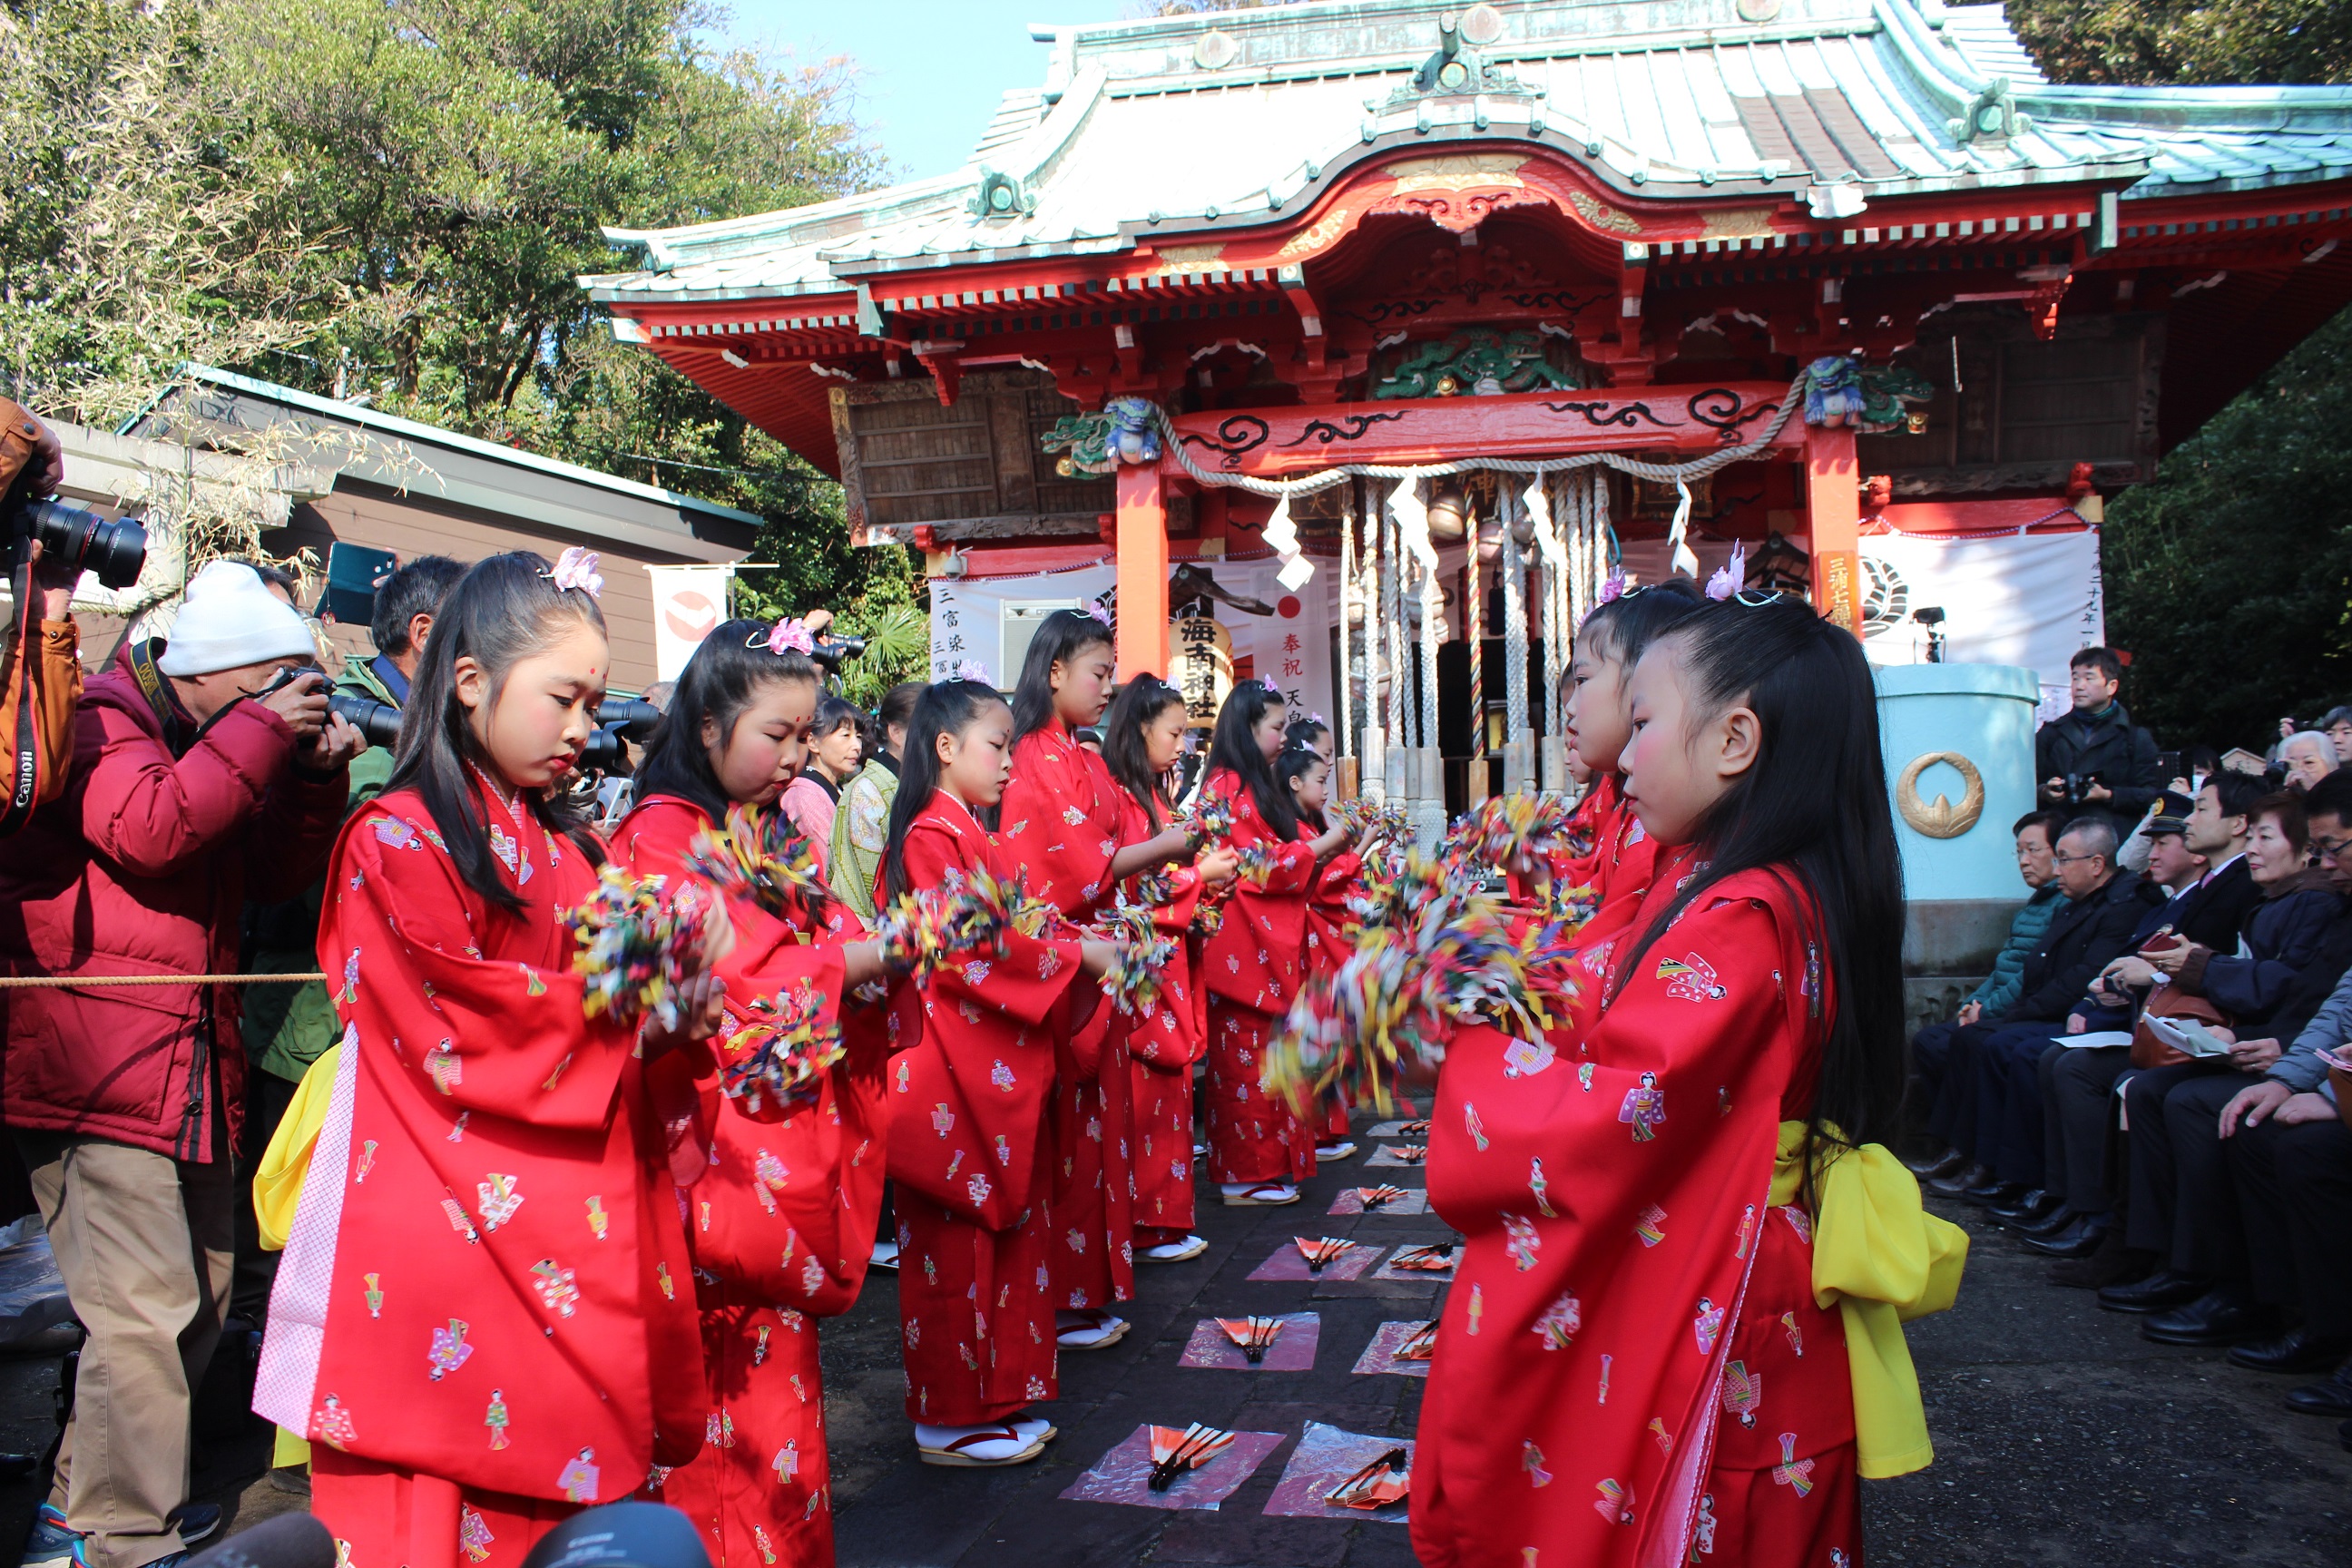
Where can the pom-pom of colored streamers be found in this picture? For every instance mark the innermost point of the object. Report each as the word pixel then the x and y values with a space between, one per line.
pixel 761 855
pixel 1155 890
pixel 1208 918
pixel 1511 832
pixel 1210 819
pixel 1254 864
pixel 776 1059
pixel 1433 952
pixel 1367 818
pixel 919 931
pixel 638 944
pixel 1007 905
pixel 1140 956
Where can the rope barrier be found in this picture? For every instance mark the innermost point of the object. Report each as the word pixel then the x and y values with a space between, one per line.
pixel 76 981
pixel 1662 473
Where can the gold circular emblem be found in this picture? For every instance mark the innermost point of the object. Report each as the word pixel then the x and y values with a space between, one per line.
pixel 1940 818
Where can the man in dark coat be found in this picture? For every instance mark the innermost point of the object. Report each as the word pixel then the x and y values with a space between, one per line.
pixel 2104 906
pixel 2093 761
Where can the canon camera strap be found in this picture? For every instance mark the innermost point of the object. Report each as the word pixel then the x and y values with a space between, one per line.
pixel 24 746
pixel 177 736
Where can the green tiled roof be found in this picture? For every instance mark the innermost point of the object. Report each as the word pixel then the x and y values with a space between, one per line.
pixel 1234 119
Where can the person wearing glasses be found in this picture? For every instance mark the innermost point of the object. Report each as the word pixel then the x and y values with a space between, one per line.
pixel 1973 1112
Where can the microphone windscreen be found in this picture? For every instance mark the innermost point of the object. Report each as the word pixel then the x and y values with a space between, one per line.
pixel 622 1536
pixel 289 1541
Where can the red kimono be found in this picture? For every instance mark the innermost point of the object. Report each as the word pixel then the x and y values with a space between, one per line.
pixel 969 1153
pixel 1331 929
pixel 482 1318
pixel 780 1226
pixel 1250 974
pixel 1161 1048
pixel 1631 1368
pixel 1060 825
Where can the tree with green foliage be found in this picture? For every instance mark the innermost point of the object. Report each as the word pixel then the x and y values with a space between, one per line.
pixel 2229 574
pixel 392 201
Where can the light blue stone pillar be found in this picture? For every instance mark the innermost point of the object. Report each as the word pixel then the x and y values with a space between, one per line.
pixel 1938 723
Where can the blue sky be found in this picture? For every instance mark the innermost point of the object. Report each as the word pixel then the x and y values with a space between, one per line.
pixel 929 71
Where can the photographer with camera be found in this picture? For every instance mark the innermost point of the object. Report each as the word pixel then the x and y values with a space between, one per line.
pixel 2093 761
pixel 204 768
pixel 40 658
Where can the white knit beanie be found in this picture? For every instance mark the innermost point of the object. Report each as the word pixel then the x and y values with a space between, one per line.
pixel 230 618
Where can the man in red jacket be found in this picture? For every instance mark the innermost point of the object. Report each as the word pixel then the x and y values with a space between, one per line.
pixel 193 785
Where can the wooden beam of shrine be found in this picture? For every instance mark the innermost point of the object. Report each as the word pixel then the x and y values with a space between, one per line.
pixel 1683 420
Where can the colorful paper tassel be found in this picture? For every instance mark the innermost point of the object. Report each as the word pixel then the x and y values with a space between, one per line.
pixel 639 944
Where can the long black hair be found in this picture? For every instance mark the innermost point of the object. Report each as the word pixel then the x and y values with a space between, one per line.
pixel 1061 637
pixel 1813 811
pixel 502 612
pixel 946 708
pixel 1138 707
pixel 720 681
pixel 1287 769
pixel 1234 746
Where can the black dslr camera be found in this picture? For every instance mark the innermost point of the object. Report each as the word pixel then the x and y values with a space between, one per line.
pixel 615 717
pixel 80 540
pixel 830 651
pixel 2078 787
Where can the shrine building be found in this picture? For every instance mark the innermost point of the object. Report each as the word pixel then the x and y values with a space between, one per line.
pixel 1330 342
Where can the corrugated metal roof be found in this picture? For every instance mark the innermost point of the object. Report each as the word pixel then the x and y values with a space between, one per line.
pixel 1675 98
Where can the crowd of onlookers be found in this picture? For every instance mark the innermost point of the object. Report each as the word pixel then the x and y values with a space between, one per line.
pixel 2144 1088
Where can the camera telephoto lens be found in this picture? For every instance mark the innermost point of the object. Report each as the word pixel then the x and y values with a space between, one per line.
pixel 633 719
pixel 115 551
pixel 830 651
pixel 379 721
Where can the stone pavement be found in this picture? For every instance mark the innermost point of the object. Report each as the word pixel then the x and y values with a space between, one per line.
pixel 2061 1436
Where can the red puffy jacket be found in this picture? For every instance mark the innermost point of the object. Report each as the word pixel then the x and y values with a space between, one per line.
pixel 142 867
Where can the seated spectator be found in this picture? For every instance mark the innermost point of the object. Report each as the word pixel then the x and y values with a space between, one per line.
pixel 2290 1158
pixel 2306 757
pixel 2093 761
pixel 2183 1207
pixel 2000 990
pixel 2071 1216
pixel 1973 1110
pixel 195 779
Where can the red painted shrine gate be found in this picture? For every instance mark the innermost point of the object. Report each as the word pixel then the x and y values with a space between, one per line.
pixel 1503 242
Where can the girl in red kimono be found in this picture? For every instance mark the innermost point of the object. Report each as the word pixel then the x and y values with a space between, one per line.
pixel 1259 1151
pixel 782 1202
pixel 970 1149
pixel 1631 1366
pixel 481 1320
pixel 1143 736
pixel 1610 851
pixel 1061 824
pixel 1306 771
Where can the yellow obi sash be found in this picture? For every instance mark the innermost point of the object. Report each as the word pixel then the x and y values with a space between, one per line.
pixel 1884 1261
pixel 277 1180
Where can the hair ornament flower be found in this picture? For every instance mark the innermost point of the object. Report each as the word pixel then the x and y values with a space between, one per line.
pixel 1728 580
pixel 1612 589
pixel 1270 684
pixel 1099 613
pixel 790 635
pixel 970 669
pixel 1315 718
pixel 576 568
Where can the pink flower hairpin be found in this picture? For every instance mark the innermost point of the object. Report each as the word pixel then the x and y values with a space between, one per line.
pixel 1612 589
pixel 970 669
pixel 790 635
pixel 1728 580
pixel 576 568
pixel 1099 613
pixel 1270 684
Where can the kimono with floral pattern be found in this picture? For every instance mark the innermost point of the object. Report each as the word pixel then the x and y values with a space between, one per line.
pixel 485 1308
pixel 971 1151
pixel 780 1216
pixel 1250 974
pixel 1162 1046
pixel 1630 1367
pixel 1061 822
